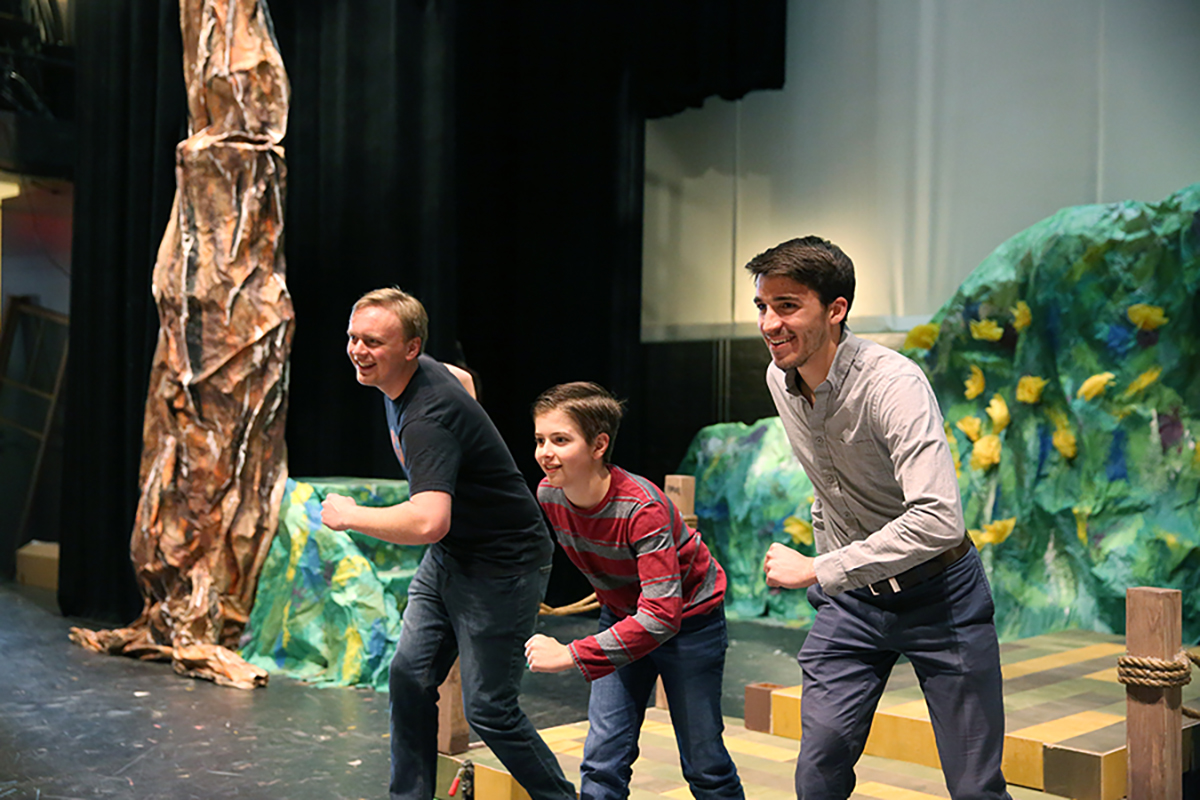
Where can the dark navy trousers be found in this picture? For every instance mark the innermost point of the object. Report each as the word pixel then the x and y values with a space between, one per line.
pixel 945 627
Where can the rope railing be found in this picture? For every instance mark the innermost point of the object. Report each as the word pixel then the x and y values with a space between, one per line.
pixel 1159 672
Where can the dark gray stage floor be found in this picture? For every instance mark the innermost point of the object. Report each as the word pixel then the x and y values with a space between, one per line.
pixel 74 724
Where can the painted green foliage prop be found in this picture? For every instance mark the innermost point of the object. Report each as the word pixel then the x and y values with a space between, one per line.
pixel 1068 369
pixel 750 492
pixel 329 602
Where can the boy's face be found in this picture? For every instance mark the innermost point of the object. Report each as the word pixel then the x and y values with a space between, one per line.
pixel 561 450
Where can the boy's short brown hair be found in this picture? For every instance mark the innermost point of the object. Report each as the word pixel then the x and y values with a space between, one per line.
pixel 589 405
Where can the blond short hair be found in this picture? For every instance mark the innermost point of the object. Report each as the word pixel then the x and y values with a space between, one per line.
pixel 407 309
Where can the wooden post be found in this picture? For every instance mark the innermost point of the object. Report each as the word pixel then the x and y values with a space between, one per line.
pixel 1153 720
pixel 453 733
pixel 680 490
pixel 757 713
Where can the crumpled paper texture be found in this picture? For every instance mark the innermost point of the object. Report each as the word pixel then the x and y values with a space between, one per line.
pixel 214 462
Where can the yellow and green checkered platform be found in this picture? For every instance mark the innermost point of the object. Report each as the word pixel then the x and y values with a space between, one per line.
pixel 1065 735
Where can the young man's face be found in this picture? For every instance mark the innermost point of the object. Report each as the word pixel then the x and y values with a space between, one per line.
pixel 562 451
pixel 376 345
pixel 793 321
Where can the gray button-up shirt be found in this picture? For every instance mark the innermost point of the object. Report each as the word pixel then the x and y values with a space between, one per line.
pixel 873 444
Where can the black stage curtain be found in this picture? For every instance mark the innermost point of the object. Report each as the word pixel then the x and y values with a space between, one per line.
pixel 486 157
pixel 130 111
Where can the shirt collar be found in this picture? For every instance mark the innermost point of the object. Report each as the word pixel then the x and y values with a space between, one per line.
pixel 843 359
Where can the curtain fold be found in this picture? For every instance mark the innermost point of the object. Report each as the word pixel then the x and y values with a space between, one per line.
pixel 130 113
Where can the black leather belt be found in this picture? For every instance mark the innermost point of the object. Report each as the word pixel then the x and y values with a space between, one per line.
pixel 921 572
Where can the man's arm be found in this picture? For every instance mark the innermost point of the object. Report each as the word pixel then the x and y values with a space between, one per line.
pixel 422 519
pixel 787 569
pixel 911 424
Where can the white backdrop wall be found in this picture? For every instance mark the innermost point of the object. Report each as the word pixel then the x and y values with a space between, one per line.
pixel 918 135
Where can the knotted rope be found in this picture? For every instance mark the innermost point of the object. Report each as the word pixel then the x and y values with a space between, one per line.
pixel 1159 672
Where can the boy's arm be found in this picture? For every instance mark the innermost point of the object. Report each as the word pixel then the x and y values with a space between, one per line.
pixel 659 606
pixel 464 378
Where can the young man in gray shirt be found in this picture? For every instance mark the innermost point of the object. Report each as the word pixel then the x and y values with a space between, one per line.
pixel 895 573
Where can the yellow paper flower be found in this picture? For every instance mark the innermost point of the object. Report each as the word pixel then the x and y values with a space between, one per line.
pixel 998 411
pixel 993 533
pixel 1147 318
pixel 1081 518
pixel 800 530
pixel 923 336
pixel 971 426
pixel 986 329
pixel 1029 389
pixel 1142 381
pixel 1022 316
pixel 1063 440
pixel 986 452
pixel 1095 385
pixel 975 384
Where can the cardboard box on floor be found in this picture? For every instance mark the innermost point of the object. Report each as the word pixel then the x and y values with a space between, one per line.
pixel 37 564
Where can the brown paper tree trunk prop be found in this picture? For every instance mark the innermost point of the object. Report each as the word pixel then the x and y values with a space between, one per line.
pixel 214 461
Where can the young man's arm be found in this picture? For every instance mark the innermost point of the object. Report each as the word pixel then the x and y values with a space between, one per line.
pixel 910 422
pixel 423 519
pixel 787 569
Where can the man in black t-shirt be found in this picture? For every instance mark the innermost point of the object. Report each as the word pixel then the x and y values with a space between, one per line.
pixel 477 591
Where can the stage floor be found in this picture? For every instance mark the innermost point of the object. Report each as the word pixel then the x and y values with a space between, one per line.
pixel 75 724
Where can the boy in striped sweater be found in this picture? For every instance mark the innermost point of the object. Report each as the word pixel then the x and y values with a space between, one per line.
pixel 661 594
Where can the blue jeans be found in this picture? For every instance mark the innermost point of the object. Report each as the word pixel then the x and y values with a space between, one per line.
pixel 484 620
pixel 946 629
pixel 692 664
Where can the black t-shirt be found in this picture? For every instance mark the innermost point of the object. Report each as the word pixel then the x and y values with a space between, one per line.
pixel 446 442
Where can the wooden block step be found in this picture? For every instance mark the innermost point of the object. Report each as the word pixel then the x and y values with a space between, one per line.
pixel 766 764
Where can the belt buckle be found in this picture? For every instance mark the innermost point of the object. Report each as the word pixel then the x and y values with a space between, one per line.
pixel 895 584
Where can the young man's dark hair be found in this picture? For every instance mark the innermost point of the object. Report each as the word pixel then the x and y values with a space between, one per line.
pixel 815 262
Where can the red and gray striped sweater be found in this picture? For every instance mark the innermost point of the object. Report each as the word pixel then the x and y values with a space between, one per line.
pixel 646 565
